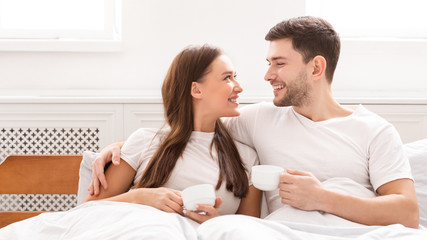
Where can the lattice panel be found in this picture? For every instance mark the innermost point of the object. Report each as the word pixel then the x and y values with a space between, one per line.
pixel 37 202
pixel 47 141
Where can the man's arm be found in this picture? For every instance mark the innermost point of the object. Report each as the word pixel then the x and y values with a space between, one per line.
pixel 107 154
pixel 396 203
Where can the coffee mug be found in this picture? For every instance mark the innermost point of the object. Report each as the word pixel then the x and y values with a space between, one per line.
pixel 266 177
pixel 198 194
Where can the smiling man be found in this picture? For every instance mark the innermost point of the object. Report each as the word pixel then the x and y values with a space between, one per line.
pixel 316 139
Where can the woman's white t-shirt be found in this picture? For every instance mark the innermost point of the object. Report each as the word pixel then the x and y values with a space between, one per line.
pixel 195 166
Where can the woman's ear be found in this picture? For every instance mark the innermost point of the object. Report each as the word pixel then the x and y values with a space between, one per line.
pixel 319 67
pixel 195 90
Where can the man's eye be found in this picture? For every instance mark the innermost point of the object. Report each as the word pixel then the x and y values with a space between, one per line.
pixel 280 64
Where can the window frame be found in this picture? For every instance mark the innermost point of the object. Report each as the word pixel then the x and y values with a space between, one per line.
pixel 107 40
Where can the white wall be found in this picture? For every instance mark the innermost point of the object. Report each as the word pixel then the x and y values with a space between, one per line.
pixel 155 31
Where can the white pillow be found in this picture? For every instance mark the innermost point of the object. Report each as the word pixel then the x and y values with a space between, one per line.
pixel 417 155
pixel 85 175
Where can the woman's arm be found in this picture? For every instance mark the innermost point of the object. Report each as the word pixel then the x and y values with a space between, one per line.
pixel 120 178
pixel 107 154
pixel 251 204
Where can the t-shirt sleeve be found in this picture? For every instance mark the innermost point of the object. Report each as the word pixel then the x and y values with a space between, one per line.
pixel 387 161
pixel 249 158
pixel 133 148
pixel 242 127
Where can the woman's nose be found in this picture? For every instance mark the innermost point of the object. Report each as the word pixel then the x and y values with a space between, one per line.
pixel 237 87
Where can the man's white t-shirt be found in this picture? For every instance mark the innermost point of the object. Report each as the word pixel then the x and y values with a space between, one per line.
pixel 362 146
pixel 196 165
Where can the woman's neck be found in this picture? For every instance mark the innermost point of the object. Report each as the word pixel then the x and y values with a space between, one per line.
pixel 201 125
pixel 203 122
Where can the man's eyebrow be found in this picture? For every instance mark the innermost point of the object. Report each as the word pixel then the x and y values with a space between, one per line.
pixel 276 58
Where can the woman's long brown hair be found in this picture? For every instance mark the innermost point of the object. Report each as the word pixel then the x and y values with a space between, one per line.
pixel 191 65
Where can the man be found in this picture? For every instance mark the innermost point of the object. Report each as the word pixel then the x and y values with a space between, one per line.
pixel 315 138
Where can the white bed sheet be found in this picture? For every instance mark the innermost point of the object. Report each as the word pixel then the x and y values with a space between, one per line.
pixel 244 227
pixel 103 220
pixel 114 220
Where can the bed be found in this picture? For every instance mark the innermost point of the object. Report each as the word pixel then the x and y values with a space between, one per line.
pixel 37 175
pixel 71 175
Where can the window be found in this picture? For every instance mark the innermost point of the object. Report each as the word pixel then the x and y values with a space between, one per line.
pixel 373 18
pixel 54 22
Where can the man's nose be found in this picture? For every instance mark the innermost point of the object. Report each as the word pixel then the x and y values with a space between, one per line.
pixel 269 75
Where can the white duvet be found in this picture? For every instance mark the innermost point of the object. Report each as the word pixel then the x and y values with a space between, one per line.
pixel 115 220
pixel 103 220
pixel 288 223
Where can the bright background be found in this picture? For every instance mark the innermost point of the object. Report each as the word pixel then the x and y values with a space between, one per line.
pixel 153 32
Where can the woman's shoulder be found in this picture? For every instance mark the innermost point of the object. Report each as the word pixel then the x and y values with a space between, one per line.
pixel 148 133
pixel 248 155
pixel 143 138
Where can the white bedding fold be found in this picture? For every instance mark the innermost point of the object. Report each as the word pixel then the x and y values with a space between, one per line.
pixel 248 228
pixel 103 220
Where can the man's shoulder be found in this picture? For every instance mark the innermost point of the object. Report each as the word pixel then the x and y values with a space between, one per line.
pixel 369 117
pixel 370 121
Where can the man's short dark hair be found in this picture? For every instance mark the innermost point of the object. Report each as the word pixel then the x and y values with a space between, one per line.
pixel 311 36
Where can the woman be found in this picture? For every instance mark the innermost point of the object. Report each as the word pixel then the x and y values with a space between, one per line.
pixel 195 148
pixel 200 88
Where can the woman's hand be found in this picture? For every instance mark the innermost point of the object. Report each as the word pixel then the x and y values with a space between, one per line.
pixel 210 212
pixel 164 199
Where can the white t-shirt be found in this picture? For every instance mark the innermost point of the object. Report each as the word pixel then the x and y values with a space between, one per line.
pixel 362 146
pixel 195 166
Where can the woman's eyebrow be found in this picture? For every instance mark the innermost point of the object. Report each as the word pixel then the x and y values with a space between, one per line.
pixel 227 72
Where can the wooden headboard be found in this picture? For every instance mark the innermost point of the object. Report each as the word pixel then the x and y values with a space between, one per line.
pixel 37 174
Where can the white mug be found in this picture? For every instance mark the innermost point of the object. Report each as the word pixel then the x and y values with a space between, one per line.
pixel 198 194
pixel 266 177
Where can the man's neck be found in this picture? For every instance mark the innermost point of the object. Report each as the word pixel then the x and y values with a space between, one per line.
pixel 323 107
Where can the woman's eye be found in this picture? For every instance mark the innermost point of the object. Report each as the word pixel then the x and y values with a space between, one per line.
pixel 228 77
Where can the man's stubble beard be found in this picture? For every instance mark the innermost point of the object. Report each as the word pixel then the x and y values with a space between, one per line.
pixel 297 93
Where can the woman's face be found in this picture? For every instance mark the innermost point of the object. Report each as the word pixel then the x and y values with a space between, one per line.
pixel 219 89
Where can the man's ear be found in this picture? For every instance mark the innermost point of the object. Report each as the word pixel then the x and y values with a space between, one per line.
pixel 319 67
pixel 195 90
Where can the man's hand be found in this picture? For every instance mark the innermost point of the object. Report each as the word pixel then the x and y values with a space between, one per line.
pixel 300 189
pixel 107 154
pixel 210 212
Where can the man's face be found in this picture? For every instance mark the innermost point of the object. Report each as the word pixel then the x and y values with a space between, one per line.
pixel 287 74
